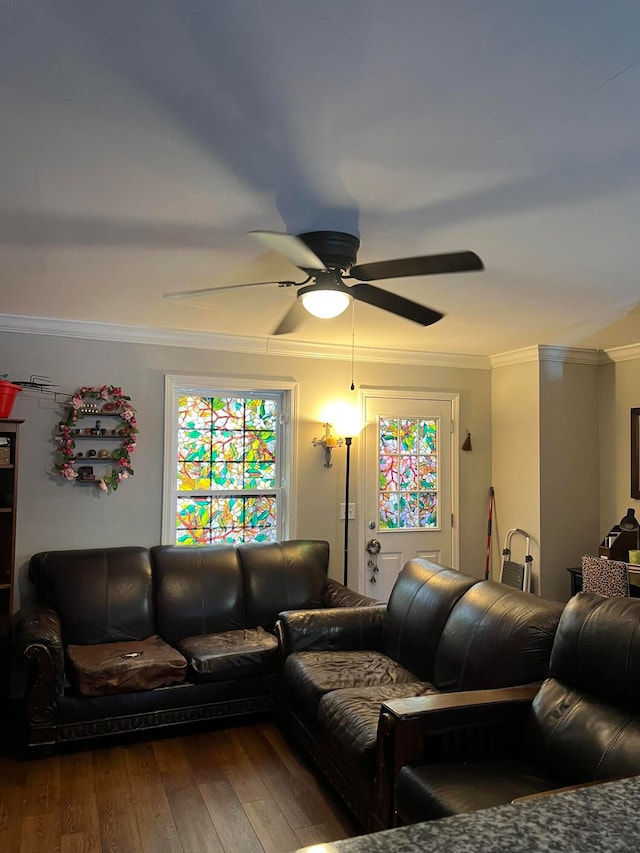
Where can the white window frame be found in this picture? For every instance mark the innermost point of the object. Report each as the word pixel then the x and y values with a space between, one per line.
pixel 175 386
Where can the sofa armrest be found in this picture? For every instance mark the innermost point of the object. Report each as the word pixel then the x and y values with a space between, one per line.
pixel 331 629
pixel 37 636
pixel 339 595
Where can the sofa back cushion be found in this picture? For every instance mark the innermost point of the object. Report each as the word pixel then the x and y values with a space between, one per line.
pixel 419 606
pixel 198 590
pixel 584 723
pixel 279 576
pixel 102 595
pixel 496 636
pixel 597 648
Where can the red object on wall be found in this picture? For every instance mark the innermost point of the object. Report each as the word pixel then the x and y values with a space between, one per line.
pixel 8 394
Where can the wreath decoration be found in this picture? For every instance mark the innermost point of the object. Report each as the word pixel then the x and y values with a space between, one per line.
pixel 105 399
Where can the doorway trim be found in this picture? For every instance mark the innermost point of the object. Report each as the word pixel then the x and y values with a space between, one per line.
pixel 366 393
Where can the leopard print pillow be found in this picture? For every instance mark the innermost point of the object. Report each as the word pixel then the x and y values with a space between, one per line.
pixel 605 577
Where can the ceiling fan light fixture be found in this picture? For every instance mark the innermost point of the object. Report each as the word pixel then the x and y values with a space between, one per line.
pixel 325 303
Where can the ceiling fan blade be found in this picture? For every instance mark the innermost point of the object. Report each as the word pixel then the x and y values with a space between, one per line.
pixel 208 291
pixel 395 304
pixel 426 265
pixel 291 320
pixel 291 247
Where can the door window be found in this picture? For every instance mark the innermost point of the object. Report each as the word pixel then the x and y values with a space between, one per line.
pixel 408 473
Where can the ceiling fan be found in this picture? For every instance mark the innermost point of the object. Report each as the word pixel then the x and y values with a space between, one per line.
pixel 328 259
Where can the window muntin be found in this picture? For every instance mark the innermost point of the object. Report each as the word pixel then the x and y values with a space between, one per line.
pixel 408 473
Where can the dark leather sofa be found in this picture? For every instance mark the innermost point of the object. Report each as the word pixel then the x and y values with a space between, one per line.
pixel 212 609
pixel 582 726
pixel 442 632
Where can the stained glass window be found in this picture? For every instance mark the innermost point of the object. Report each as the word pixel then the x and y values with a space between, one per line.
pixel 408 479
pixel 227 468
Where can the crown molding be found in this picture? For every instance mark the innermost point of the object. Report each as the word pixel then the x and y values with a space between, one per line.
pixel 306 349
pixel 542 352
pixel 626 353
pixel 274 346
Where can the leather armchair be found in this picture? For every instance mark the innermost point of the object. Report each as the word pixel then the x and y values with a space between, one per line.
pixel 582 725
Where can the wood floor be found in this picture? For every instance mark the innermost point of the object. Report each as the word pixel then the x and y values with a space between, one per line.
pixel 234 790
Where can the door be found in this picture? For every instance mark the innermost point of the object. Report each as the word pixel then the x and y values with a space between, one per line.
pixel 410 483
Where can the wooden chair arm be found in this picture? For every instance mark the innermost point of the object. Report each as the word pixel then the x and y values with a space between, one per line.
pixel 457 709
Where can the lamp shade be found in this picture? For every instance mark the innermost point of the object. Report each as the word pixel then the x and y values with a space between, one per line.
pixel 346 419
pixel 325 303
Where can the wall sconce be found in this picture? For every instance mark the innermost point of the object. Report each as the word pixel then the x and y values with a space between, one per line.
pixel 328 441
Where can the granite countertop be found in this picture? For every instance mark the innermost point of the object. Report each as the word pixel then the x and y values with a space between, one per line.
pixel 600 819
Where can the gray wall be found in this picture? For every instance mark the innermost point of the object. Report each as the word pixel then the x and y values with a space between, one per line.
pixel 53 513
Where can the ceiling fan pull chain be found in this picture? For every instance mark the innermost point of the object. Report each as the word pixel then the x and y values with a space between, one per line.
pixel 353 341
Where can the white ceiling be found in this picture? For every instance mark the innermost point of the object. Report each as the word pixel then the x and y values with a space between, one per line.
pixel 142 140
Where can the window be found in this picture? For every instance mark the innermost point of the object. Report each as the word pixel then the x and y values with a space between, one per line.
pixel 227 458
pixel 408 480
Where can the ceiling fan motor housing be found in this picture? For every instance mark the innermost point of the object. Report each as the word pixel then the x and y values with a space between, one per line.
pixel 335 249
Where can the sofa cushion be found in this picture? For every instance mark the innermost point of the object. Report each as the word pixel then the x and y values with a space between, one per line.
pixel 279 576
pixel 419 606
pixel 576 736
pixel 349 719
pixel 597 648
pixel 198 590
pixel 102 595
pixel 125 667
pixel 309 675
pixel 230 654
pixel 438 790
pixel 496 636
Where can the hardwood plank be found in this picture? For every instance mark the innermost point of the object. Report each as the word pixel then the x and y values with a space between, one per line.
pixel 298 803
pixel 41 834
pixel 119 831
pixel 11 835
pixel 195 828
pixel 169 754
pixel 81 842
pixel 285 751
pixel 271 826
pixel 173 765
pixel 321 833
pixel 178 794
pixel 229 818
pixel 42 788
pixel 228 753
pixel 202 766
pixel 158 832
pixel 111 780
pixel 12 772
pixel 79 809
pixel 316 787
pixel 118 826
pixel 11 803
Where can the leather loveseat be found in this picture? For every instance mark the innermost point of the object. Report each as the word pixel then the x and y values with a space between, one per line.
pixel 442 632
pixel 582 726
pixel 130 638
